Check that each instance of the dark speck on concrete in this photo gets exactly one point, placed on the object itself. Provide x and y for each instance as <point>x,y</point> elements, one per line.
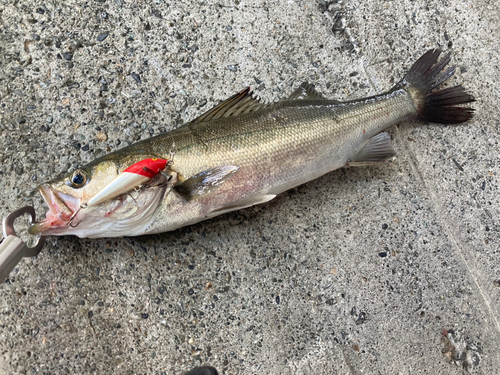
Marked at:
<point>458,165</point>
<point>278,299</point>
<point>156,13</point>
<point>361,318</point>
<point>78,281</point>
<point>385,226</point>
<point>102,36</point>
<point>34,143</point>
<point>67,56</point>
<point>85,148</point>
<point>191,267</point>
<point>144,316</point>
<point>382,254</point>
<point>40,11</point>
<point>136,77</point>
<point>190,292</point>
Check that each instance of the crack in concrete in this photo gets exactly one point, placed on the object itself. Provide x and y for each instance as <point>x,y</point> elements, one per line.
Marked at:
<point>449,232</point>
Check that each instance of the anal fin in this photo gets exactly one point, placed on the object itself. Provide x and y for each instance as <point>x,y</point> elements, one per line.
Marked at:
<point>244,203</point>
<point>378,149</point>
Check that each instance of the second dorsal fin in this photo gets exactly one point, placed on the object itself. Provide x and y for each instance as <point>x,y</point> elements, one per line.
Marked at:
<point>238,104</point>
<point>305,91</point>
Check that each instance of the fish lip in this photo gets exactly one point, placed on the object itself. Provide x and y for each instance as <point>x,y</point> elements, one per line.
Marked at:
<point>62,209</point>
<point>54,201</point>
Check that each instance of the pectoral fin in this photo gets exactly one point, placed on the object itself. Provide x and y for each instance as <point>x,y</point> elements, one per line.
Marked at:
<point>377,150</point>
<point>206,181</point>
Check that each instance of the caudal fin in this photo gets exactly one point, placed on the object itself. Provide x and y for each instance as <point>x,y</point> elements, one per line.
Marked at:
<point>440,106</point>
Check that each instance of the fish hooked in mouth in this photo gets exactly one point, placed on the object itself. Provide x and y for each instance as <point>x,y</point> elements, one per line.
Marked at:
<point>243,152</point>
<point>126,214</point>
<point>62,209</point>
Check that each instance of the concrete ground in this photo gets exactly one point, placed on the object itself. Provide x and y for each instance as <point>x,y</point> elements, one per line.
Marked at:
<point>361,271</point>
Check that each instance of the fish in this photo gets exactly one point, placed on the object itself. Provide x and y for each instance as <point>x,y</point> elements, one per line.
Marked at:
<point>243,152</point>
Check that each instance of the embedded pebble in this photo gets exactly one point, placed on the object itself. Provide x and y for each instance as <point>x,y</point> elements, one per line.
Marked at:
<point>101,136</point>
<point>102,36</point>
<point>136,77</point>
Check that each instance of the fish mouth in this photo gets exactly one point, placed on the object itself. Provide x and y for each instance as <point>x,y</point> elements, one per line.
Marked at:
<point>62,209</point>
<point>126,215</point>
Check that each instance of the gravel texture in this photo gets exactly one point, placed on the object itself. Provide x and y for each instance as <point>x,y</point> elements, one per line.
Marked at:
<point>380,270</point>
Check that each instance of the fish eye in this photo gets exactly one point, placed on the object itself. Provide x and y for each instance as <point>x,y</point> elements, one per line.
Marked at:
<point>78,179</point>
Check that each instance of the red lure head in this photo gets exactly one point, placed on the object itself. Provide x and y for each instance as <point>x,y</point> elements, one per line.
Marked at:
<point>148,167</point>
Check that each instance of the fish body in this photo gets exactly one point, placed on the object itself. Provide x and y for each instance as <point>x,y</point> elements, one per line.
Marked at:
<point>243,152</point>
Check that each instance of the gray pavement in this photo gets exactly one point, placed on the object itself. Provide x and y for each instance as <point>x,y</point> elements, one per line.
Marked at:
<point>358,272</point>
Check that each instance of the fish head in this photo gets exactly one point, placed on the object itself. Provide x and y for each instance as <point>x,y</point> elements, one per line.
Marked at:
<point>125,215</point>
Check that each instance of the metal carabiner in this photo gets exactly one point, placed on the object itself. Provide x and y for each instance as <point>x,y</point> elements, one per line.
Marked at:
<point>12,248</point>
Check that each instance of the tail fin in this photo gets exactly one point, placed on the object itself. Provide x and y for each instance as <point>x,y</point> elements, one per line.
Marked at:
<point>440,106</point>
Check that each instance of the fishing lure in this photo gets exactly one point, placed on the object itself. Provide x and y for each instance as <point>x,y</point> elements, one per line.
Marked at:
<point>135,175</point>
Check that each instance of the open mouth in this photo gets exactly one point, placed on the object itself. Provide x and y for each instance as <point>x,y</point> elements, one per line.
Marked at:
<point>62,208</point>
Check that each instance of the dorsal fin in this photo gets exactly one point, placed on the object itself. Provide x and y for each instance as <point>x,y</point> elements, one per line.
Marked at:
<point>238,104</point>
<point>305,91</point>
